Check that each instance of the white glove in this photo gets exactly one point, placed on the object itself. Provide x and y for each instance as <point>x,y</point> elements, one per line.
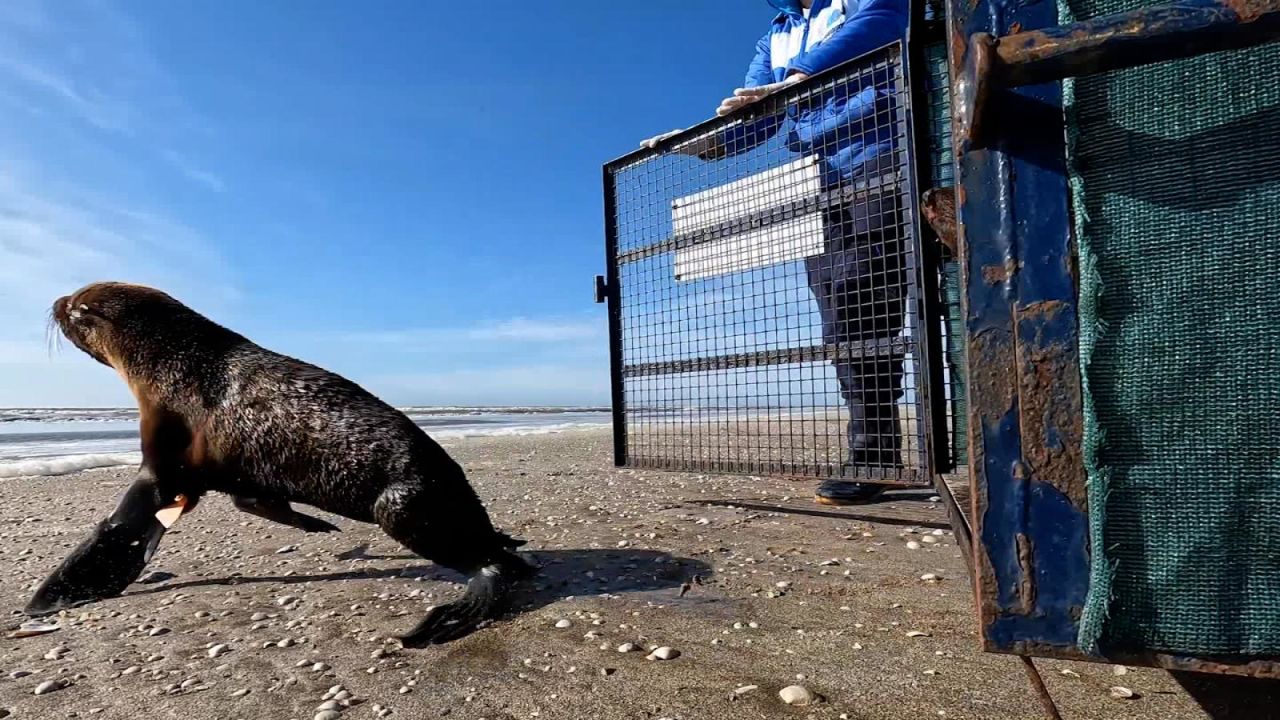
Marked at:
<point>652,142</point>
<point>745,96</point>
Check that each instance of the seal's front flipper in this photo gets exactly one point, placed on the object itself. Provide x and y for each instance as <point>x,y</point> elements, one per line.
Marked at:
<point>112,557</point>
<point>282,512</point>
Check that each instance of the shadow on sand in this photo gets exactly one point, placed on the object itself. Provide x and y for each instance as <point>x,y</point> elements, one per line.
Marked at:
<point>561,574</point>
<point>864,512</point>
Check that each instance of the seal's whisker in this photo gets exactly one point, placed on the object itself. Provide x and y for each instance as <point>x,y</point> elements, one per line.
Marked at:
<point>52,336</point>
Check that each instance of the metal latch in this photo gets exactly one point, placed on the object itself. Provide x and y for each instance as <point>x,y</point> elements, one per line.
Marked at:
<point>602,289</point>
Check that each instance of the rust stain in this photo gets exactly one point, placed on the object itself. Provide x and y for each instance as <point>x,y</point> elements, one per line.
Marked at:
<point>1051,421</point>
<point>938,206</point>
<point>992,396</point>
<point>1250,10</point>
<point>991,359</point>
<point>1045,309</point>
<point>1000,274</point>
<point>1027,583</point>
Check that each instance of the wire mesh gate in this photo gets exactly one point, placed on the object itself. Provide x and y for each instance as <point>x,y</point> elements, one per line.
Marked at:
<point>767,288</point>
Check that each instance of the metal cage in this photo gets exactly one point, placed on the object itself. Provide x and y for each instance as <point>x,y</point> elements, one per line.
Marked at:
<point>768,288</point>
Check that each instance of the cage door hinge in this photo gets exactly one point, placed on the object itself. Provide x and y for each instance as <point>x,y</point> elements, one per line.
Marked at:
<point>602,289</point>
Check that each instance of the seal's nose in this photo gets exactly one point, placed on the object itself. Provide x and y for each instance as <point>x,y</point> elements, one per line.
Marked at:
<point>60,308</point>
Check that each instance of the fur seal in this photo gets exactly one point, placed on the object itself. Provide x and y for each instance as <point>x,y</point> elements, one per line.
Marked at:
<point>219,413</point>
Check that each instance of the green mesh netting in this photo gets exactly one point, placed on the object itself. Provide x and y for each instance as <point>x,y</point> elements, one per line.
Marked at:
<point>942,175</point>
<point>1176,191</point>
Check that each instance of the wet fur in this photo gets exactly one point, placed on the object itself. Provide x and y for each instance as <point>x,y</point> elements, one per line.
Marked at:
<point>219,413</point>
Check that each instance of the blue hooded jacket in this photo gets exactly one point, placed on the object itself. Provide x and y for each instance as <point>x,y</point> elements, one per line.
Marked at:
<point>840,125</point>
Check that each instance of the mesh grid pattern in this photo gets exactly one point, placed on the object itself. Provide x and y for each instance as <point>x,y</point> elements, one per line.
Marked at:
<point>1176,189</point>
<point>766,275</point>
<point>942,171</point>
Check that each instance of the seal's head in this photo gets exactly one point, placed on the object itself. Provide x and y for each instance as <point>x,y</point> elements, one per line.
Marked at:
<point>107,319</point>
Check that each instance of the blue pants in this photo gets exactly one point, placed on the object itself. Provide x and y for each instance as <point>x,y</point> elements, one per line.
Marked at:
<point>859,283</point>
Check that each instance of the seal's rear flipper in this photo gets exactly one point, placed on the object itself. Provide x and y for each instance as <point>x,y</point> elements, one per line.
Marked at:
<point>486,596</point>
<point>112,557</point>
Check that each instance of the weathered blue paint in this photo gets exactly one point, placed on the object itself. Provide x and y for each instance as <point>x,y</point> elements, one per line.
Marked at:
<point>1020,286</point>
<point>1021,327</point>
<point>1059,546</point>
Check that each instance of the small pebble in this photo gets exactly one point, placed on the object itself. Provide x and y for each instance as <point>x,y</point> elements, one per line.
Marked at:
<point>319,667</point>
<point>563,624</point>
<point>913,545</point>
<point>1119,670</point>
<point>202,614</point>
<point>405,690</point>
<point>286,549</point>
<point>240,693</point>
<point>664,653</point>
<point>627,647</point>
<point>1123,693</point>
<point>218,650</point>
<point>739,692</point>
<point>258,617</point>
<point>797,695</point>
<point>285,600</point>
<point>916,634</point>
<point>156,632</point>
<point>329,705</point>
<point>49,686</point>
<point>328,715</point>
<point>929,540</point>
<point>930,577</point>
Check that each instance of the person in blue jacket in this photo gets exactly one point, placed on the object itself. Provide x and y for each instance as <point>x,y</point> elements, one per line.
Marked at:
<point>858,282</point>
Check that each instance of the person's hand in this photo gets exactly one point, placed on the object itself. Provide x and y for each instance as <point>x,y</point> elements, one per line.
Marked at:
<point>698,147</point>
<point>653,142</point>
<point>745,96</point>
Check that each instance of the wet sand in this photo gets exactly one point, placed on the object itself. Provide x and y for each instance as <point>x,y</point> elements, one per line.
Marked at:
<point>750,581</point>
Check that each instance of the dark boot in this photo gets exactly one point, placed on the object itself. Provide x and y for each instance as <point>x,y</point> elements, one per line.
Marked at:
<point>846,492</point>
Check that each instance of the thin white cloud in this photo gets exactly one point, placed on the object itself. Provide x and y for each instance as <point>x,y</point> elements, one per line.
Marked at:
<point>193,173</point>
<point>92,65</point>
<point>88,104</point>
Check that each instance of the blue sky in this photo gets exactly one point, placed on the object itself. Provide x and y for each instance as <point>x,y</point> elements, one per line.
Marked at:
<point>405,192</point>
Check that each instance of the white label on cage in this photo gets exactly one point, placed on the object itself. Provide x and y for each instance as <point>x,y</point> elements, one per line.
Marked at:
<point>794,181</point>
<point>781,242</point>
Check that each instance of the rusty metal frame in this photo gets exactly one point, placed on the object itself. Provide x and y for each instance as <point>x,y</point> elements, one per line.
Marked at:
<point>1030,513</point>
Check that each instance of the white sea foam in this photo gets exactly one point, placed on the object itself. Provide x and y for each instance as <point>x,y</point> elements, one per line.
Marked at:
<point>514,430</point>
<point>54,458</point>
<point>65,464</point>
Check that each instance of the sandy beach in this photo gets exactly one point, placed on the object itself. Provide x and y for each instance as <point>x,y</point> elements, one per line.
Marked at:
<point>746,578</point>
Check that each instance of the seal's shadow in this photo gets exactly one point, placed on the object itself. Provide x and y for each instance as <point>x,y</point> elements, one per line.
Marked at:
<point>561,574</point>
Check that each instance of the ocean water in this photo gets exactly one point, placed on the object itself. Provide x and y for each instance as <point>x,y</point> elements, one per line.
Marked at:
<point>57,441</point>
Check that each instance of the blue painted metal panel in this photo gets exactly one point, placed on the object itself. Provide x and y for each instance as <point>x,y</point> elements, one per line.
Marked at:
<point>1014,230</point>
